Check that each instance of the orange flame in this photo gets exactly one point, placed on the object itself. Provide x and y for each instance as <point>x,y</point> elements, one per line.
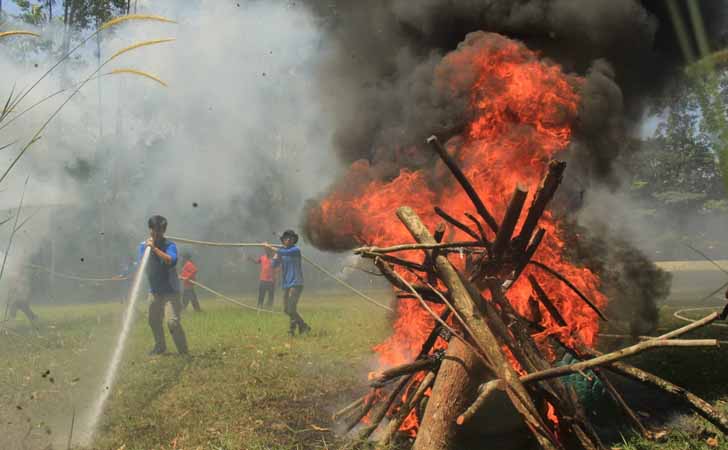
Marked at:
<point>522,110</point>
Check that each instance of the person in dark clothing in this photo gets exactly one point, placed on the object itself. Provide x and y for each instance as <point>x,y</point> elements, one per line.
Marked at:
<point>189,273</point>
<point>266,284</point>
<point>288,259</point>
<point>724,314</point>
<point>164,287</point>
<point>19,296</point>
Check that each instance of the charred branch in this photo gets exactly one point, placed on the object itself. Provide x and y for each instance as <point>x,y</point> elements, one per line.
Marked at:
<point>391,276</point>
<point>456,223</point>
<point>543,196</point>
<point>526,257</point>
<point>546,302</point>
<point>470,312</point>
<point>609,358</point>
<point>397,261</point>
<point>382,407</point>
<point>503,238</point>
<point>571,286</point>
<point>409,247</point>
<point>464,183</point>
<point>619,401</point>
<point>345,411</point>
<point>396,422</point>
<point>478,225</point>
<point>419,365</point>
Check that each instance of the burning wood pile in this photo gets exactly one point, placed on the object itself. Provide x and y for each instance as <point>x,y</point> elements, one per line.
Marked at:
<point>483,341</point>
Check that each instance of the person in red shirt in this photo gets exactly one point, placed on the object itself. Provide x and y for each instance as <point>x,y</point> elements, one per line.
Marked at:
<point>189,272</point>
<point>267,278</point>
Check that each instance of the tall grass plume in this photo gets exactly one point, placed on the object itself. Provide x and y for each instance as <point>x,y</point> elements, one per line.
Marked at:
<point>129,17</point>
<point>138,72</point>
<point>137,45</point>
<point>17,33</point>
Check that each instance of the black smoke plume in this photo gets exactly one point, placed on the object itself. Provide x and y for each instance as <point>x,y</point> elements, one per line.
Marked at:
<point>378,85</point>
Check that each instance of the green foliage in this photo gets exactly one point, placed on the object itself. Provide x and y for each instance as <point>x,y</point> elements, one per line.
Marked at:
<point>91,13</point>
<point>77,13</point>
<point>34,13</point>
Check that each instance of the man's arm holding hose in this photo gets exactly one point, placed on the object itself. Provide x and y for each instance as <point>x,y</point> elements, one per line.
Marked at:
<point>168,258</point>
<point>276,260</point>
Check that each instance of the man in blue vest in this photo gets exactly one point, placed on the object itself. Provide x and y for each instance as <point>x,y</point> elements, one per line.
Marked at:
<point>288,259</point>
<point>164,287</point>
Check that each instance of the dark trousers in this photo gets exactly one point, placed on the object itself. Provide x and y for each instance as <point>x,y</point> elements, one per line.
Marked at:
<point>291,296</point>
<point>169,303</point>
<point>24,307</point>
<point>266,287</point>
<point>724,314</point>
<point>190,296</point>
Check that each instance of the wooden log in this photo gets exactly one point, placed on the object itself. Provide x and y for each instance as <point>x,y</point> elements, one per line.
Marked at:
<point>454,387</point>
<point>710,318</point>
<point>434,334</point>
<point>398,261</point>
<point>485,391</point>
<point>472,315</point>
<point>404,369</point>
<point>481,230</point>
<point>545,193</point>
<point>367,406</point>
<point>619,400</point>
<point>464,183</point>
<point>396,422</point>
<point>571,286</point>
<point>525,258</point>
<point>409,247</point>
<point>536,316</point>
<point>616,356</point>
<point>573,422</point>
<point>697,404</point>
<point>609,358</point>
<point>456,223</point>
<point>439,232</point>
<point>546,302</point>
<point>348,408</point>
<point>503,238</point>
<point>382,407</point>
<point>429,257</point>
<point>481,353</point>
<point>391,276</point>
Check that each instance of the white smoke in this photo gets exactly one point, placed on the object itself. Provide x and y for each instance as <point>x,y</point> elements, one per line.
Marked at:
<point>239,127</point>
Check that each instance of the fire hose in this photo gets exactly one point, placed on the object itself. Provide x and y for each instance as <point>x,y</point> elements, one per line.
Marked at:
<point>229,299</point>
<point>308,260</point>
<point>74,277</point>
<point>679,315</point>
<point>196,283</point>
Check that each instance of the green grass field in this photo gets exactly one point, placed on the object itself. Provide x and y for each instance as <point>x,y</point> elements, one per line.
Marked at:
<point>246,385</point>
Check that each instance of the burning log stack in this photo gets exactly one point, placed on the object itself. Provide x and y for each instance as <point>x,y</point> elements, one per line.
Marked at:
<point>482,343</point>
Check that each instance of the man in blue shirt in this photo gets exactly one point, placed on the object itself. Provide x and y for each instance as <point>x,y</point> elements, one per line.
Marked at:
<point>288,259</point>
<point>164,287</point>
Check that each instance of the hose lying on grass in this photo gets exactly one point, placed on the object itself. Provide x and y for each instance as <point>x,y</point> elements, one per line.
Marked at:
<point>308,260</point>
<point>229,299</point>
<point>679,315</point>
